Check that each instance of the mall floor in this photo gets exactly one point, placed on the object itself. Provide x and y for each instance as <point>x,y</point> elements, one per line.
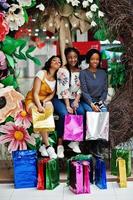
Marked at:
<point>62,192</point>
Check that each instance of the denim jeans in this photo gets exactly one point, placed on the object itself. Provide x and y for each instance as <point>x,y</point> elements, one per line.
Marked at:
<point>60,109</point>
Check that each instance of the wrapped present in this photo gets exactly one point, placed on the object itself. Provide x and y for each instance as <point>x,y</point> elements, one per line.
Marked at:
<point>76,177</point>
<point>100,174</point>
<point>25,168</point>
<point>120,153</point>
<point>122,178</point>
<point>80,157</point>
<point>43,121</point>
<point>52,174</point>
<point>41,180</point>
<point>73,127</point>
<point>86,178</point>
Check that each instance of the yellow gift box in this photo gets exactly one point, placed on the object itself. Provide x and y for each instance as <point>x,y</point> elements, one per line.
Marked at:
<point>122,178</point>
<point>43,121</point>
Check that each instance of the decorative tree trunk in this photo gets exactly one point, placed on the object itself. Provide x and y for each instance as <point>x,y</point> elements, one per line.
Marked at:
<point>119,16</point>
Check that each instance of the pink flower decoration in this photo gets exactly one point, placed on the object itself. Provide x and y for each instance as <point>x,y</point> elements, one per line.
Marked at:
<point>3,64</point>
<point>23,119</point>
<point>17,136</point>
<point>4,28</point>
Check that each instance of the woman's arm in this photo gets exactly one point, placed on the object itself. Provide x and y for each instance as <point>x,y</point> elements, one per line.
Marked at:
<point>36,90</point>
<point>49,97</point>
<point>84,89</point>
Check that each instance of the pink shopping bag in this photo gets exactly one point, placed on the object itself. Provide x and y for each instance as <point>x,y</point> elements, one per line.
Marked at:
<point>86,177</point>
<point>73,127</point>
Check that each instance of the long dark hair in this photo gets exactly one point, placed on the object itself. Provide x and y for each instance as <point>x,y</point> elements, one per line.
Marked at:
<point>90,53</point>
<point>48,64</point>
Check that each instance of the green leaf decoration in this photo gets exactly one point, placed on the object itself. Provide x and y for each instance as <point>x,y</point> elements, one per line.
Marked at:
<point>25,15</point>
<point>10,81</point>
<point>34,59</point>
<point>120,49</point>
<point>10,60</point>
<point>101,34</point>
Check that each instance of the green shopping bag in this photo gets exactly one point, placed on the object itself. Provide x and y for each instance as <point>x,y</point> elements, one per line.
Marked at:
<point>52,174</point>
<point>120,153</point>
<point>80,157</point>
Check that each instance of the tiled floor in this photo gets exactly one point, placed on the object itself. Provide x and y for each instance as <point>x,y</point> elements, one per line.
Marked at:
<point>62,192</point>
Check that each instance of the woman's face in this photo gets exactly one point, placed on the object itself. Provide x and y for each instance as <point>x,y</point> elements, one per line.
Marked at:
<point>72,59</point>
<point>94,61</point>
<point>55,63</point>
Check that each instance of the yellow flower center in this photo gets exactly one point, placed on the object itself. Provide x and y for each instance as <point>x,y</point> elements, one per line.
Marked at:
<point>18,135</point>
<point>23,113</point>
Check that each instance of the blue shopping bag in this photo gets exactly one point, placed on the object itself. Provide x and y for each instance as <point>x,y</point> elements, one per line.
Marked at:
<point>100,174</point>
<point>25,168</point>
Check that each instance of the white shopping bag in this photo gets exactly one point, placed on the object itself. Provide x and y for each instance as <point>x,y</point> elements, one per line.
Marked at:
<point>97,125</point>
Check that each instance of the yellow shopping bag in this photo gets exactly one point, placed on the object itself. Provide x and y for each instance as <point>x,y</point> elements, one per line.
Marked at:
<point>43,121</point>
<point>122,178</point>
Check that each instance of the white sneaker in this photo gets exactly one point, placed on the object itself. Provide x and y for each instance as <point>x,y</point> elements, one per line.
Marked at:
<point>43,151</point>
<point>75,147</point>
<point>60,151</point>
<point>51,153</point>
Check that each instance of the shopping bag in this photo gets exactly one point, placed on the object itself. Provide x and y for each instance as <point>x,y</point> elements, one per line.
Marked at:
<point>43,121</point>
<point>100,174</point>
<point>122,177</point>
<point>97,125</point>
<point>52,174</point>
<point>80,157</point>
<point>41,180</point>
<point>120,153</point>
<point>73,127</point>
<point>25,168</point>
<point>76,177</point>
<point>86,178</point>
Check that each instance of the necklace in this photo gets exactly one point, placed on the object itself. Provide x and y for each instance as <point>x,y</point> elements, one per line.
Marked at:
<point>94,75</point>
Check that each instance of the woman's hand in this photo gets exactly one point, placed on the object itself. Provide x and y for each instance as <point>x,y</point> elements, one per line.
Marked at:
<point>75,105</point>
<point>41,109</point>
<point>95,107</point>
<point>69,109</point>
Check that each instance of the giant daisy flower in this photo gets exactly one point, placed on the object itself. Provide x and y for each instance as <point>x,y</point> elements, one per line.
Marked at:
<point>23,119</point>
<point>17,136</point>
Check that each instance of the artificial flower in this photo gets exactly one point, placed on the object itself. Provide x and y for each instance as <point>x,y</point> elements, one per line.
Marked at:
<point>3,64</point>
<point>15,17</point>
<point>23,119</point>
<point>41,7</point>
<point>93,7</point>
<point>16,135</point>
<point>93,23</point>
<point>90,1</point>
<point>89,14</point>
<point>4,28</point>
<point>24,2</point>
<point>68,1</point>
<point>100,14</point>
<point>75,2</point>
<point>9,102</point>
<point>85,4</point>
<point>4,4</point>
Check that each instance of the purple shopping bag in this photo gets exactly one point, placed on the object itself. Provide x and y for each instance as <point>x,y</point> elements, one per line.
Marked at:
<point>73,127</point>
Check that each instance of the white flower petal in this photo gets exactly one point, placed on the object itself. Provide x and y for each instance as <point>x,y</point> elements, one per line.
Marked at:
<point>93,7</point>
<point>100,14</point>
<point>89,14</point>
<point>93,24</point>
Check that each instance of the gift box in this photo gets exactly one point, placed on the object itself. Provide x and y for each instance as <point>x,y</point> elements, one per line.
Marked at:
<point>120,153</point>
<point>100,174</point>
<point>80,157</point>
<point>25,168</point>
<point>52,174</point>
